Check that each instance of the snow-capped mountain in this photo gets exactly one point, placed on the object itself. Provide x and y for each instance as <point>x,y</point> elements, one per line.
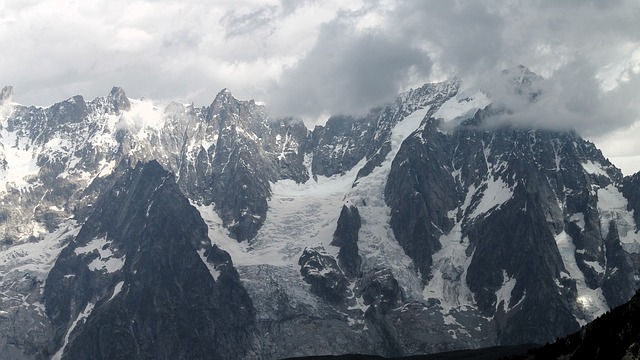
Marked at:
<point>181,232</point>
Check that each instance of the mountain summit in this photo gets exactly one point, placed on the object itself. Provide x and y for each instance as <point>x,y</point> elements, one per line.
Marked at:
<point>6,95</point>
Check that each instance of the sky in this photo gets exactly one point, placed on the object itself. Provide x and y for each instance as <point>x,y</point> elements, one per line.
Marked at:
<point>312,58</point>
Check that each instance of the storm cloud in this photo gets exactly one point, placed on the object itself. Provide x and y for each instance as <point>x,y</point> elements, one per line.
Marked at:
<point>347,72</point>
<point>587,51</point>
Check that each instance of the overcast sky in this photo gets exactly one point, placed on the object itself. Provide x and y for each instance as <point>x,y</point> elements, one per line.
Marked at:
<point>310,58</point>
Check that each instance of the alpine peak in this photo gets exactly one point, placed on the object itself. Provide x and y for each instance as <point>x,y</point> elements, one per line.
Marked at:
<point>6,95</point>
<point>119,100</point>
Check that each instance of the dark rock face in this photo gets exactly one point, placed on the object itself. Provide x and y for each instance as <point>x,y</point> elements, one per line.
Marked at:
<point>381,291</point>
<point>618,279</point>
<point>142,280</point>
<point>323,274</point>
<point>240,176</point>
<point>631,191</point>
<point>289,149</point>
<point>72,110</point>
<point>420,192</point>
<point>346,237</point>
<point>338,146</point>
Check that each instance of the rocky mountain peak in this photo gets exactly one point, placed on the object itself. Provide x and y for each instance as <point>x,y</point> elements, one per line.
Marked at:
<point>523,82</point>
<point>6,95</point>
<point>224,97</point>
<point>118,99</point>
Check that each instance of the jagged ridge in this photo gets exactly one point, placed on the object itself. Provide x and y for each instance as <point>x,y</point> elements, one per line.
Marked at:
<point>449,213</point>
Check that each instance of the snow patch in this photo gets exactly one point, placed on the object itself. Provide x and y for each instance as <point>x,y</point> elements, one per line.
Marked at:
<point>359,301</point>
<point>116,290</point>
<point>578,219</point>
<point>594,168</point>
<point>503,295</point>
<point>215,273</point>
<point>106,168</point>
<point>595,266</point>
<point>106,259</point>
<point>81,317</point>
<point>495,195</point>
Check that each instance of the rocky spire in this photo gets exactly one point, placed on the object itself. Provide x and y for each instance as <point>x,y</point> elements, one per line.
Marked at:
<point>119,99</point>
<point>6,96</point>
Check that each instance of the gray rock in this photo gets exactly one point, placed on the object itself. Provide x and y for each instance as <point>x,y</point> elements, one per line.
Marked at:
<point>346,237</point>
<point>6,95</point>
<point>322,272</point>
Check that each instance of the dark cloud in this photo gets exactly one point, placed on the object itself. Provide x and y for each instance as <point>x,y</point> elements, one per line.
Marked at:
<point>571,99</point>
<point>181,40</point>
<point>575,45</point>
<point>290,6</point>
<point>237,23</point>
<point>569,43</point>
<point>465,36</point>
<point>347,72</point>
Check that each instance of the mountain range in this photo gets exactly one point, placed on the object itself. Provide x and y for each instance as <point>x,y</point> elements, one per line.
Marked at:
<point>133,231</point>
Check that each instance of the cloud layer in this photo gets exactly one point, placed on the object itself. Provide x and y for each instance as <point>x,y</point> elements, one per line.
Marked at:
<point>308,57</point>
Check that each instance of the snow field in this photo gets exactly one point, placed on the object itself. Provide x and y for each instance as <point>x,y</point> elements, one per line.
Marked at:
<point>376,241</point>
<point>299,216</point>
<point>449,272</point>
<point>463,105</point>
<point>612,206</point>
<point>20,162</point>
<point>36,258</point>
<point>306,215</point>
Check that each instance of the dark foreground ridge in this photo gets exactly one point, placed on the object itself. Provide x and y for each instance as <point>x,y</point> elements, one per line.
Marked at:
<point>490,353</point>
<point>615,335</point>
